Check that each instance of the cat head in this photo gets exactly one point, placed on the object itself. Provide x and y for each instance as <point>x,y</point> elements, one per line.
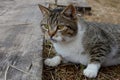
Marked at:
<point>60,25</point>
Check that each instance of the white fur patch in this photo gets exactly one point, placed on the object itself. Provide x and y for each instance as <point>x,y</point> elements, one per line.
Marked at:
<point>58,38</point>
<point>53,61</point>
<point>92,70</point>
<point>72,51</point>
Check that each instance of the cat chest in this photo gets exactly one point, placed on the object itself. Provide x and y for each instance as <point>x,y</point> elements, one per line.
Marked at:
<point>72,54</point>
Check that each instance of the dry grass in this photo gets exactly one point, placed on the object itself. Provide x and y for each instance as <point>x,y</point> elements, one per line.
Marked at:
<point>72,71</point>
<point>103,11</point>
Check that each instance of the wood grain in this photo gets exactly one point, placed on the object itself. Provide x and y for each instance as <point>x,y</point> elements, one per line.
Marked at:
<point>20,40</point>
<point>81,5</point>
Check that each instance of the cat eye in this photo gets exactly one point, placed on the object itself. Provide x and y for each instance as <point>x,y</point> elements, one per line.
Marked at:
<point>61,27</point>
<point>45,26</point>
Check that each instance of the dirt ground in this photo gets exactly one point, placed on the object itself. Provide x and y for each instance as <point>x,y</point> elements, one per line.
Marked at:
<point>107,11</point>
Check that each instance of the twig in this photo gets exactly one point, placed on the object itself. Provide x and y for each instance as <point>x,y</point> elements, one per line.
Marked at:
<point>52,76</point>
<point>6,72</point>
<point>19,70</point>
<point>2,13</point>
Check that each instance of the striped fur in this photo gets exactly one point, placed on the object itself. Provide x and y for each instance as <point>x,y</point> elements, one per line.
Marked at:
<point>56,18</point>
<point>80,42</point>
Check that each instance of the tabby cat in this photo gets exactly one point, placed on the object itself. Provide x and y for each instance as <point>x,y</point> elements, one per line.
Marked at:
<point>76,41</point>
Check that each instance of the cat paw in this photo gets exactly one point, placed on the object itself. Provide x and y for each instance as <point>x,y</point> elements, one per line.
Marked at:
<point>55,61</point>
<point>90,73</point>
<point>92,70</point>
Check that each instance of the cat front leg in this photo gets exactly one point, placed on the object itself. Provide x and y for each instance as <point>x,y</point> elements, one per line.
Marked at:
<point>55,61</point>
<point>97,56</point>
<point>92,70</point>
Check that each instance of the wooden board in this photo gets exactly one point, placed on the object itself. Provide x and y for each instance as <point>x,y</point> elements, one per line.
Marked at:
<point>20,40</point>
<point>81,5</point>
<point>78,3</point>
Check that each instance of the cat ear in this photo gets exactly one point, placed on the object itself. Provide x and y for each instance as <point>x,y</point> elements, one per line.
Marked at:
<point>70,12</point>
<point>44,10</point>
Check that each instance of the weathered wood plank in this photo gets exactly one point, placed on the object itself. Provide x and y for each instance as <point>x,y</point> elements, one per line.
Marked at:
<point>81,5</point>
<point>20,40</point>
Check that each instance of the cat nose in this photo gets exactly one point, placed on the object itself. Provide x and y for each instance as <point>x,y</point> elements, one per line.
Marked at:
<point>51,34</point>
<point>51,37</point>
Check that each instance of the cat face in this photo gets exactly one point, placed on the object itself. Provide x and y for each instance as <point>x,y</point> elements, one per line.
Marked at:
<point>59,25</point>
